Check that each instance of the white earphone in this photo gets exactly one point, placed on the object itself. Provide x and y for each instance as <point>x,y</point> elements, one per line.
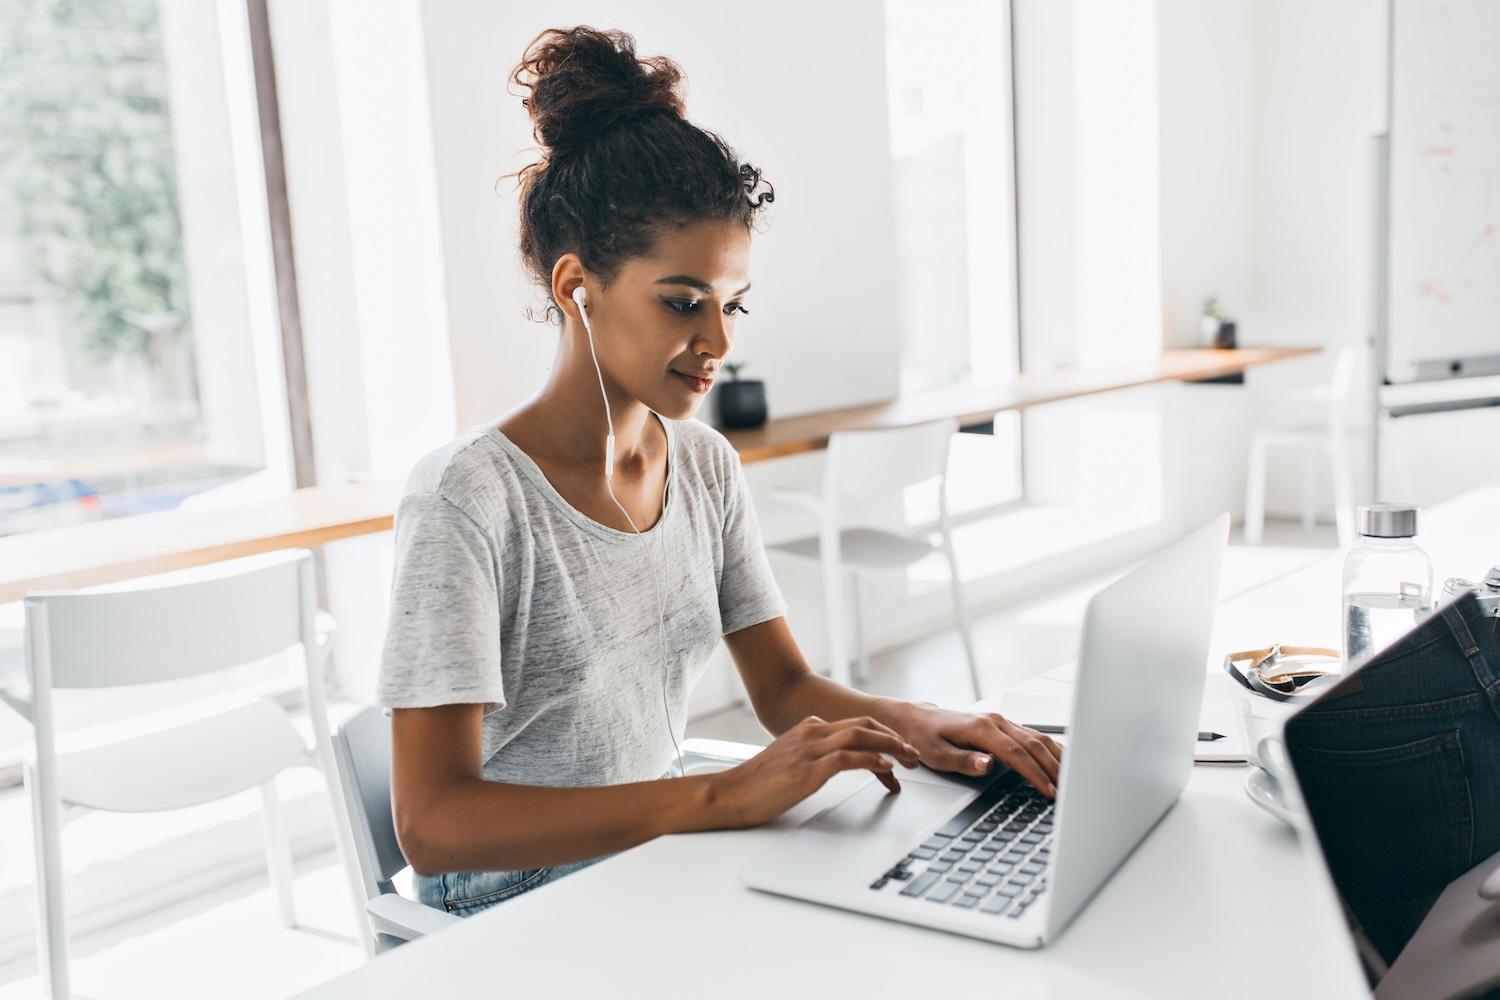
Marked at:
<point>579,298</point>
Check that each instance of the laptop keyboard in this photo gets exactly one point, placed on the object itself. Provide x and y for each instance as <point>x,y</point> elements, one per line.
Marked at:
<point>993,856</point>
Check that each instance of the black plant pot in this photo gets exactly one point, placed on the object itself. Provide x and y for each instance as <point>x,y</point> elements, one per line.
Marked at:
<point>741,404</point>
<point>1226,339</point>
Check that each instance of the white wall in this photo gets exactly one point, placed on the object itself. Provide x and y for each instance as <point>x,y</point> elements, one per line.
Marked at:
<point>1321,77</point>
<point>1320,94</point>
<point>1266,109</point>
<point>357,132</point>
<point>823,268</point>
<point>370,266</point>
<point>1088,221</point>
<point>1205,61</point>
<point>1266,112</point>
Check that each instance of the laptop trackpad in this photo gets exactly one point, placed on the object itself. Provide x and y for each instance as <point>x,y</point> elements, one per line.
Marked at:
<point>916,809</point>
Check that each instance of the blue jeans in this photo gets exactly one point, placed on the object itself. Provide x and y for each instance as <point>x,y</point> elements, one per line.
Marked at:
<point>468,893</point>
<point>1400,767</point>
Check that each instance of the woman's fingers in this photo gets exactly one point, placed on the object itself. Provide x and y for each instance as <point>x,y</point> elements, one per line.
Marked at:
<point>1024,764</point>
<point>850,745</point>
<point>961,760</point>
<point>855,734</point>
<point>1014,745</point>
<point>858,760</point>
<point>1037,746</point>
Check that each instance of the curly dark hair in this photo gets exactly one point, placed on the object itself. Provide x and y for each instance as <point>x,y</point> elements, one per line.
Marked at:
<point>619,162</point>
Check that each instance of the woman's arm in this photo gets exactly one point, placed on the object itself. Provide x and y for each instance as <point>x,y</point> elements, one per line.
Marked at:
<point>784,689</point>
<point>450,818</point>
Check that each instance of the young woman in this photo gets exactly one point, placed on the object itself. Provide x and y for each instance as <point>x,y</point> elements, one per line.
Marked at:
<point>547,620</point>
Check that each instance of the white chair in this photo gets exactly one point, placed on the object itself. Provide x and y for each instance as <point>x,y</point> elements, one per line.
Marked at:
<point>1328,439</point>
<point>146,634</point>
<point>862,465</point>
<point>362,751</point>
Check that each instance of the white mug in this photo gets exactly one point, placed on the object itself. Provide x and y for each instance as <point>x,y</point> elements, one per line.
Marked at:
<point>1270,754</point>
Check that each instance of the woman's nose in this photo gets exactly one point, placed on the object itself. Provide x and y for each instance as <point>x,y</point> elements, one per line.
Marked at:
<point>715,338</point>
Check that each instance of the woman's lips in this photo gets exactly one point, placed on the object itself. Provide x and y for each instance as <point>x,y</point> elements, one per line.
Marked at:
<point>699,385</point>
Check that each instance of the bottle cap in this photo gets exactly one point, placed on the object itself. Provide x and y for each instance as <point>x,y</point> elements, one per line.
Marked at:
<point>1388,520</point>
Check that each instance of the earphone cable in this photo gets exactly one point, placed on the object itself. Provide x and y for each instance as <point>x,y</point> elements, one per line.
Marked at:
<point>609,449</point>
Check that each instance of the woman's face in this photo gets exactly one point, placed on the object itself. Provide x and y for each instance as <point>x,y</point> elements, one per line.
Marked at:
<point>665,324</point>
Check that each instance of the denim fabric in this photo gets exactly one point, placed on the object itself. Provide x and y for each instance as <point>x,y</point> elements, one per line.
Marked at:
<point>468,893</point>
<point>1400,767</point>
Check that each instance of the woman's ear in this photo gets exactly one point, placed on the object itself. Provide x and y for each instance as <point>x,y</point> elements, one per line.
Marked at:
<point>567,276</point>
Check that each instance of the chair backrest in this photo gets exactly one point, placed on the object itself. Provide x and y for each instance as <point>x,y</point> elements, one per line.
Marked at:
<point>1348,369</point>
<point>150,633</point>
<point>864,464</point>
<point>362,750</point>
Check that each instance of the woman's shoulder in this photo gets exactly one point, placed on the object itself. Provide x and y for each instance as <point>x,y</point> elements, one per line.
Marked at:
<point>472,472</point>
<point>707,449</point>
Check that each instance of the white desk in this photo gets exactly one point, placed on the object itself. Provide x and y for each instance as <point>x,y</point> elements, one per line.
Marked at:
<point>1179,919</point>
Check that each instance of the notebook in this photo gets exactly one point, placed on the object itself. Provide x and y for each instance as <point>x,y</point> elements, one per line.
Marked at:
<point>1220,714</point>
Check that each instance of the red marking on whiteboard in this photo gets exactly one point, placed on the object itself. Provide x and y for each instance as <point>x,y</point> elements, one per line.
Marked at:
<point>1431,288</point>
<point>1437,150</point>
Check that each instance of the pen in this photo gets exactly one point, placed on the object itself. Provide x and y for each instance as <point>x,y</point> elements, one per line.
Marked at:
<point>1203,737</point>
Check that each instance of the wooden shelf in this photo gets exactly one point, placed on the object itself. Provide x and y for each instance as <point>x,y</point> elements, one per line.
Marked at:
<point>976,403</point>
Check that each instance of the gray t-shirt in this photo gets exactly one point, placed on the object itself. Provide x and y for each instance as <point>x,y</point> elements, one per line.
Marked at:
<point>506,595</point>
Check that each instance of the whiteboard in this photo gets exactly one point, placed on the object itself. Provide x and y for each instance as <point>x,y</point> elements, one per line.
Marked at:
<point>1443,282</point>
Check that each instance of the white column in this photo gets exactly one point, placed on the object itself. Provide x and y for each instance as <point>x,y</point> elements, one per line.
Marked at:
<point>226,241</point>
<point>362,181</point>
<point>1088,218</point>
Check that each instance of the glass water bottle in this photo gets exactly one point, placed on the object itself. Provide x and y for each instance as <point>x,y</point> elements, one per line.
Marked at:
<point>1387,582</point>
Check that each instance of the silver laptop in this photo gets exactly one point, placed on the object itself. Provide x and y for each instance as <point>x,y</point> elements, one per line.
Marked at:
<point>996,860</point>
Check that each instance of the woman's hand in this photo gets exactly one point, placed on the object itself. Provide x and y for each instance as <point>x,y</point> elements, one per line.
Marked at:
<point>799,762</point>
<point>969,744</point>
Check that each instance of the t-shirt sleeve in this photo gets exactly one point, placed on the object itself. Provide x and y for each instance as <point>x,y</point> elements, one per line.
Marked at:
<point>748,594</point>
<point>442,643</point>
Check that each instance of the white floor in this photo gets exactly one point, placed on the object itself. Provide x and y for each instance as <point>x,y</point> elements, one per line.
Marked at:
<point>228,943</point>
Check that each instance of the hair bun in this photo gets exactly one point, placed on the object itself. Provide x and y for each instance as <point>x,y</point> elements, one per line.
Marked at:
<point>581,81</point>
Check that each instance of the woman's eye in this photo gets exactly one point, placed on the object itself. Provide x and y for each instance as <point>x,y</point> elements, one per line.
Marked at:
<point>735,307</point>
<point>683,306</point>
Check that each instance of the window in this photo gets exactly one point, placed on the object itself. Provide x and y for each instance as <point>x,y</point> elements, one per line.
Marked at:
<point>948,84</point>
<point>948,77</point>
<point>138,355</point>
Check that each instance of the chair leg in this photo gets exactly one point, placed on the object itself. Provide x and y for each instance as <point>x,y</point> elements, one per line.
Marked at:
<point>322,758</point>
<point>861,644</point>
<point>1309,489</point>
<point>961,613</point>
<point>51,919</point>
<point>833,611</point>
<point>1255,494</point>
<point>278,852</point>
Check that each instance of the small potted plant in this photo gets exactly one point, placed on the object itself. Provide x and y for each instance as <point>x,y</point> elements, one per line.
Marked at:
<point>1218,329</point>
<point>741,402</point>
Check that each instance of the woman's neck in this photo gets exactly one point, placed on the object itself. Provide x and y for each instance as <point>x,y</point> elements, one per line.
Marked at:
<point>566,415</point>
